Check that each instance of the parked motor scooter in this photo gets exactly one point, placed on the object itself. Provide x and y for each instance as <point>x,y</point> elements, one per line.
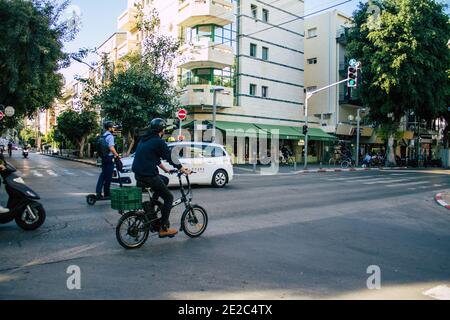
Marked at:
<point>23,207</point>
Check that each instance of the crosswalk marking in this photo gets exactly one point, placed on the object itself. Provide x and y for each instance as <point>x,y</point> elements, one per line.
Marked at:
<point>52,173</point>
<point>386,181</point>
<point>37,174</point>
<point>407,184</point>
<point>70,173</point>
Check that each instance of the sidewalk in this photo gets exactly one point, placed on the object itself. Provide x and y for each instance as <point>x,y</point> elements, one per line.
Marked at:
<point>443,199</point>
<point>313,168</point>
<point>89,161</point>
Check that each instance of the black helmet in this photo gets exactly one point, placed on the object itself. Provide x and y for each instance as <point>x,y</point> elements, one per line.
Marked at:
<point>157,125</point>
<point>108,125</point>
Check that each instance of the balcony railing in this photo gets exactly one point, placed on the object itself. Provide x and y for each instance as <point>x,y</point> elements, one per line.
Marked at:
<point>202,96</point>
<point>193,12</point>
<point>205,53</point>
<point>127,20</point>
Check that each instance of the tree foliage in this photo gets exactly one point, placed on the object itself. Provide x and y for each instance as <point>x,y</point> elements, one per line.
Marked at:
<point>403,49</point>
<point>142,88</point>
<point>76,127</point>
<point>31,37</point>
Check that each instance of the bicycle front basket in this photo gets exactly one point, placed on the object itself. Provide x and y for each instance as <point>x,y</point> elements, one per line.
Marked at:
<point>126,198</point>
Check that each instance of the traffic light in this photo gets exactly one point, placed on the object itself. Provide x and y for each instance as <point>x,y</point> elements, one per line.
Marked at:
<point>305,130</point>
<point>352,81</point>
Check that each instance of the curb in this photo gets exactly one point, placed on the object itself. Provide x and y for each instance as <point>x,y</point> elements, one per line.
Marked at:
<point>69,159</point>
<point>441,202</point>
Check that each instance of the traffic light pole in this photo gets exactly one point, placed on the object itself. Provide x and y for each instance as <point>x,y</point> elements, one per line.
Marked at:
<point>308,96</point>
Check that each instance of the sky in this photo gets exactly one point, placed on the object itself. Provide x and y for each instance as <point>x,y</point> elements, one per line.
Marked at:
<point>99,22</point>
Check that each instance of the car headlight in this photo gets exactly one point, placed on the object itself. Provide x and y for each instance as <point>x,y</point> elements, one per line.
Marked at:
<point>126,170</point>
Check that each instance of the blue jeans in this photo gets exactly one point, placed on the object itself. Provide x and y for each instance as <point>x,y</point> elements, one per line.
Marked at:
<point>105,178</point>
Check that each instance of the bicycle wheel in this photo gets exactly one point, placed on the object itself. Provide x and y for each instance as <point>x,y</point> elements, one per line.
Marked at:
<point>131,232</point>
<point>345,164</point>
<point>194,221</point>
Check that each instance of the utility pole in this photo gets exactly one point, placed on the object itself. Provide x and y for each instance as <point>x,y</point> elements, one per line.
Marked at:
<point>358,128</point>
<point>215,90</point>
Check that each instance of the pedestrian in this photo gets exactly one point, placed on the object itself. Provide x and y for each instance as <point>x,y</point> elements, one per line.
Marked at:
<point>107,155</point>
<point>10,145</point>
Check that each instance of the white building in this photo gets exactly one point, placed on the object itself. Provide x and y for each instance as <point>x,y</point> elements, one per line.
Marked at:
<point>252,49</point>
<point>325,63</point>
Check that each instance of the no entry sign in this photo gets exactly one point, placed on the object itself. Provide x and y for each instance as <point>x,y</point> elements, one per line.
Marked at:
<point>182,114</point>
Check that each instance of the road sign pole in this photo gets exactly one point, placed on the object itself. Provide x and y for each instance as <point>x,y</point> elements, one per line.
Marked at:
<point>181,126</point>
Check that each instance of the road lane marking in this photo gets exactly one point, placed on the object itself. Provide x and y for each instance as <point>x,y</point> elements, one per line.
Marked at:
<point>407,184</point>
<point>438,293</point>
<point>87,173</point>
<point>386,181</point>
<point>52,173</point>
<point>70,173</point>
<point>37,174</point>
<point>351,178</point>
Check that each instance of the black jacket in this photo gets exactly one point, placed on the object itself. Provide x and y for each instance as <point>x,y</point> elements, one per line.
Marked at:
<point>150,150</point>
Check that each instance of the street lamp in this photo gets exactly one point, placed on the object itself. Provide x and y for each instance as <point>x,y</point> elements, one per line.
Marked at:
<point>81,61</point>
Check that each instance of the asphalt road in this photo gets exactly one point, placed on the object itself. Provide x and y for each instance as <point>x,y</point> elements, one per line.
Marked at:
<point>303,236</point>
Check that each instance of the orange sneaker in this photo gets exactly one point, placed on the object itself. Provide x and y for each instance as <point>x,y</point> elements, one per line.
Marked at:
<point>166,232</point>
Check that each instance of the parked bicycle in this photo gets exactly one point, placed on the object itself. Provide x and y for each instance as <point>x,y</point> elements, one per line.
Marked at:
<point>133,228</point>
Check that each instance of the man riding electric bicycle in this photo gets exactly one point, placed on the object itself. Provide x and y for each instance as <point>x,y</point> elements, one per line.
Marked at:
<point>150,150</point>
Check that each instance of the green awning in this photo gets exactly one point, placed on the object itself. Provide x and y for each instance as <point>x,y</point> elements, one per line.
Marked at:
<point>317,134</point>
<point>285,132</point>
<point>238,129</point>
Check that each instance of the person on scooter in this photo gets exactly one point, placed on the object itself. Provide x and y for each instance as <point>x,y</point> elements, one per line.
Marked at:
<point>150,150</point>
<point>105,178</point>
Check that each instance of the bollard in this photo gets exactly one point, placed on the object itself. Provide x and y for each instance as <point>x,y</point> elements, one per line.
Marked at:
<point>254,167</point>
<point>320,166</point>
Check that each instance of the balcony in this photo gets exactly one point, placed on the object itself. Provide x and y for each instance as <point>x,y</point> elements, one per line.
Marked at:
<point>202,96</point>
<point>341,36</point>
<point>194,12</point>
<point>126,47</point>
<point>206,54</point>
<point>127,20</point>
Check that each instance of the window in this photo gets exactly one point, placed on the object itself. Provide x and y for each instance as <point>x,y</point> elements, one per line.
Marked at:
<point>312,61</point>
<point>254,11</point>
<point>312,32</point>
<point>265,15</point>
<point>252,50</point>
<point>204,32</point>
<point>212,152</point>
<point>265,92</point>
<point>253,89</point>
<point>265,53</point>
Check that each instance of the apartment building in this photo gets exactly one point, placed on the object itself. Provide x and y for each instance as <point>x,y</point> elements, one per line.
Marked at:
<point>246,55</point>
<point>326,62</point>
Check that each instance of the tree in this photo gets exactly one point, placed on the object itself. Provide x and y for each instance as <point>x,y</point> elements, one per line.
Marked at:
<point>31,37</point>
<point>142,88</point>
<point>76,127</point>
<point>402,47</point>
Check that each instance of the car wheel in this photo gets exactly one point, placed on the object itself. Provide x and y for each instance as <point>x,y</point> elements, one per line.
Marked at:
<point>220,179</point>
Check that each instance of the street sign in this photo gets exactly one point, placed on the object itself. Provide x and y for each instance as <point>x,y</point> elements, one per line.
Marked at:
<point>182,114</point>
<point>2,115</point>
<point>9,111</point>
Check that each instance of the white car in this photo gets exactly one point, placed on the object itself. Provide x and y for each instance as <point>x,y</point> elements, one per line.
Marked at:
<point>210,162</point>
